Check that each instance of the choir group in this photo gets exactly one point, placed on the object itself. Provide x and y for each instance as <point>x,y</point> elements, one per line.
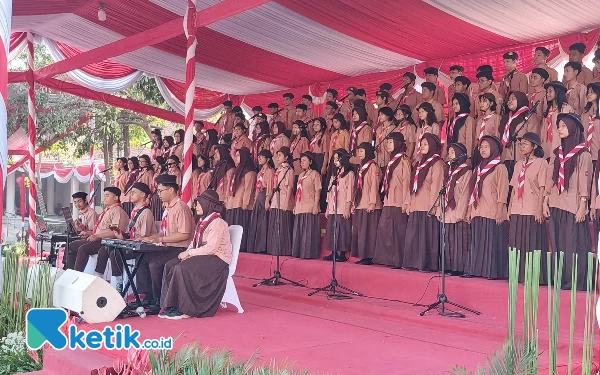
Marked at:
<point>517,160</point>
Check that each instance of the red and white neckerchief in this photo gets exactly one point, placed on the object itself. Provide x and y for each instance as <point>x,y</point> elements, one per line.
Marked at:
<point>380,138</point>
<point>223,122</point>
<point>174,148</point>
<point>199,183</point>
<point>231,182</point>
<point>531,97</point>
<point>335,188</point>
<point>406,94</point>
<point>506,134</point>
<point>258,142</point>
<point>549,129</point>
<point>133,214</point>
<point>456,118</point>
<point>299,186</point>
<point>451,180</point>
<point>163,222</point>
<point>521,178</point>
<point>295,143</point>
<point>484,121</point>
<point>273,142</point>
<point>386,176</point>
<point>334,138</point>
<point>166,152</point>
<point>104,211</point>
<point>260,178</point>
<point>590,131</point>
<point>355,132</point>
<point>282,168</point>
<point>361,173</point>
<point>508,79</point>
<point>202,225</point>
<point>562,160</point>
<point>155,150</point>
<point>424,129</point>
<point>480,173</point>
<point>419,168</point>
<point>82,218</point>
<point>314,141</point>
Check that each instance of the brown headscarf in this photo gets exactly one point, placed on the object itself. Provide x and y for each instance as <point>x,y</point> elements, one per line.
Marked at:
<point>369,155</point>
<point>435,147</point>
<point>212,138</point>
<point>522,101</point>
<point>575,137</point>
<point>220,170</point>
<point>495,151</point>
<point>461,156</point>
<point>246,165</point>
<point>399,146</point>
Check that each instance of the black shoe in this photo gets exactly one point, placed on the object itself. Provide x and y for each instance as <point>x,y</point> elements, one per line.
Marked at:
<point>365,262</point>
<point>167,311</point>
<point>341,258</point>
<point>328,257</point>
<point>426,271</point>
<point>467,276</point>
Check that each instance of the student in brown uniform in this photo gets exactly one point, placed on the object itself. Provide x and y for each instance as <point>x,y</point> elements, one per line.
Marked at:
<point>240,139</point>
<point>513,80</point>
<point>177,148</point>
<point>566,203</point>
<point>141,224</point>
<point>320,142</point>
<point>225,122</point>
<point>389,245</point>
<point>194,283</point>
<point>591,121</point>
<point>262,140</point>
<point>176,231</point>
<point>87,215</point>
<point>431,76</point>
<point>306,238</point>
<point>146,170</point>
<point>340,133</point>
<point>426,124</point>
<point>278,139</point>
<point>212,138</point>
<point>454,72</point>
<point>387,88</point>
<point>576,54</point>
<point>576,91</point>
<point>556,102</point>
<point>382,99</point>
<point>200,137</point>
<point>427,94</point>
<point>408,128</point>
<point>511,125</point>
<point>174,167</point>
<point>348,103</point>
<point>422,242</point>
<point>222,164</point>
<point>485,80</point>
<point>361,130</point>
<point>489,122</point>
<point>367,205</point>
<point>462,85</point>
<point>289,110</point>
<point>307,100</point>
<point>387,126</point>
<point>410,96</point>
<point>340,198</point>
<point>259,220</point>
<point>157,143</point>
<point>487,214</point>
<point>527,228</point>
<point>462,127</point>
<point>540,58</point>
<point>275,113</point>
<point>302,113</point>
<point>122,173</point>
<point>537,94</point>
<point>458,192</point>
<point>203,174</point>
<point>299,144</point>
<point>113,215</point>
<point>362,101</point>
<point>240,196</point>
<point>133,166</point>
<point>331,95</point>
<point>160,168</point>
<point>331,108</point>
<point>281,211</point>
<point>168,143</point>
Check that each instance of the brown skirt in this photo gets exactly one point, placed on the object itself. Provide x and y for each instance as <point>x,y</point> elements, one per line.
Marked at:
<point>422,242</point>
<point>283,245</point>
<point>156,207</point>
<point>238,216</point>
<point>343,235</point>
<point>571,238</point>
<point>306,240</point>
<point>364,233</point>
<point>527,235</point>
<point>195,286</point>
<point>488,249</point>
<point>389,245</point>
<point>259,224</point>
<point>457,246</point>
<point>128,207</point>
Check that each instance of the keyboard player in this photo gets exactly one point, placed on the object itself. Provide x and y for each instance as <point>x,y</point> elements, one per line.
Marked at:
<point>141,224</point>
<point>112,215</point>
<point>176,231</point>
<point>87,215</point>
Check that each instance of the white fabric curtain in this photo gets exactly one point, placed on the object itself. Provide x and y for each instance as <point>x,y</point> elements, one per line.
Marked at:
<point>89,81</point>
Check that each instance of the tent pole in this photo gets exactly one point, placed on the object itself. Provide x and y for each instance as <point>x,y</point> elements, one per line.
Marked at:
<point>5,19</point>
<point>31,129</point>
<point>190,84</point>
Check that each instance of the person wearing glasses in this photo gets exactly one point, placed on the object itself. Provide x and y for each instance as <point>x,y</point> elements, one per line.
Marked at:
<point>173,167</point>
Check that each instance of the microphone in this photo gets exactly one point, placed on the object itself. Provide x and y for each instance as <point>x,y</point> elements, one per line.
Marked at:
<point>295,159</point>
<point>147,143</point>
<point>106,170</point>
<point>253,117</point>
<point>344,98</point>
<point>531,110</point>
<point>450,162</point>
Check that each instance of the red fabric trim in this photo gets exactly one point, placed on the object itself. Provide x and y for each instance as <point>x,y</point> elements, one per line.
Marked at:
<point>106,69</point>
<point>3,73</point>
<point>420,30</point>
<point>16,39</point>
<point>589,39</point>
<point>203,99</point>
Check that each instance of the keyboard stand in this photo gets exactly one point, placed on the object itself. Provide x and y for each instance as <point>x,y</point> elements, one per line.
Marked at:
<point>139,311</point>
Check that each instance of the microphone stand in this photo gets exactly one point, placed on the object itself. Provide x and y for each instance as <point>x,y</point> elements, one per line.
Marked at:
<point>513,141</point>
<point>275,280</point>
<point>332,288</point>
<point>442,299</point>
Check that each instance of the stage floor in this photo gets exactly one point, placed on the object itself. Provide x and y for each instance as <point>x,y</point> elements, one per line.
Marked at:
<point>364,335</point>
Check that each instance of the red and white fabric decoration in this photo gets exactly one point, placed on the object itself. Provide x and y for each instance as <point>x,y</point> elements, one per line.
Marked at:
<point>31,129</point>
<point>92,136</point>
<point>5,39</point>
<point>189,24</point>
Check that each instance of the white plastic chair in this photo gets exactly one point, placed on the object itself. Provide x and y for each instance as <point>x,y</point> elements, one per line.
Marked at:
<point>231,296</point>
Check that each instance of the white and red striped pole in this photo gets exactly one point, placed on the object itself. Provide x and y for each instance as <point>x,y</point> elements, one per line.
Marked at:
<point>93,133</point>
<point>31,127</point>
<point>189,24</point>
<point>5,26</point>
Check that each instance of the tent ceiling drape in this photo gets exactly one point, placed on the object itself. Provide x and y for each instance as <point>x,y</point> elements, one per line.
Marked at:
<point>305,46</point>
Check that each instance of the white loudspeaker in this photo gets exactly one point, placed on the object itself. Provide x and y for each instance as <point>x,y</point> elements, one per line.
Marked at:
<point>89,296</point>
<point>33,278</point>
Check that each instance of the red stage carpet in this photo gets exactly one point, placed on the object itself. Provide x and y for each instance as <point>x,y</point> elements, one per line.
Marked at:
<point>359,336</point>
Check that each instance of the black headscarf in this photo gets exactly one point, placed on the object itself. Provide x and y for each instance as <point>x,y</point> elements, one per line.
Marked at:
<point>220,170</point>
<point>246,165</point>
<point>369,155</point>
<point>435,147</point>
<point>465,107</point>
<point>461,156</point>
<point>522,101</point>
<point>575,137</point>
<point>495,151</point>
